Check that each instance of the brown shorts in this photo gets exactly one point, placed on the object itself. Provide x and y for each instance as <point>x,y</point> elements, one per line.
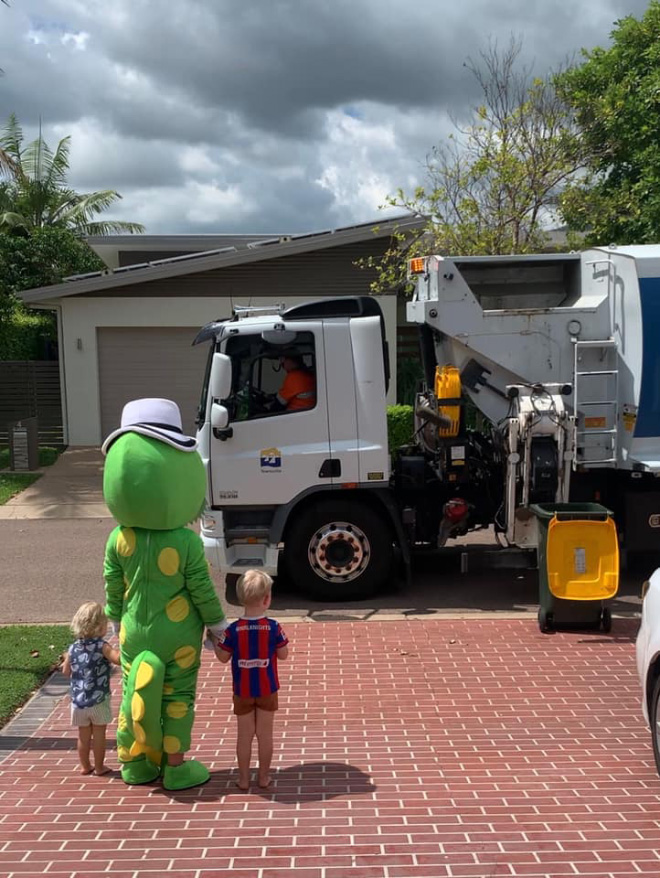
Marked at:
<point>243,706</point>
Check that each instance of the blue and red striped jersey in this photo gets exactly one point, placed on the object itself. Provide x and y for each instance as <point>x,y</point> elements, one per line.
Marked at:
<point>253,645</point>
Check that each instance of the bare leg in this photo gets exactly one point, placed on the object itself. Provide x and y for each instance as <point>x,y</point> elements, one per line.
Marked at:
<point>246,730</point>
<point>98,744</point>
<point>264,729</point>
<point>84,741</point>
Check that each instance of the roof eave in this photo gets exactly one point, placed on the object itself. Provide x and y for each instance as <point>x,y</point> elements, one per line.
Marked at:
<point>318,241</point>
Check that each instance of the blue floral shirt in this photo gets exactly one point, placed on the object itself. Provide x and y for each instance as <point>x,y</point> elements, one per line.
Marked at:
<point>90,672</point>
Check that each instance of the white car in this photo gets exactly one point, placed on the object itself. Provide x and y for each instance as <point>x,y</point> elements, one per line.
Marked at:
<point>648,659</point>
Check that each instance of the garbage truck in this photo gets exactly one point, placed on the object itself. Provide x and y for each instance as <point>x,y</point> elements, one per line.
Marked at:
<point>558,354</point>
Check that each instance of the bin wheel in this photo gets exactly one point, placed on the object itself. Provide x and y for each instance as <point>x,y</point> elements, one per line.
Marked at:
<point>545,620</point>
<point>606,620</point>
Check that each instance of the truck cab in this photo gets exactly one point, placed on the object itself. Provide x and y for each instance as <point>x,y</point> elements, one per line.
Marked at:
<point>293,434</point>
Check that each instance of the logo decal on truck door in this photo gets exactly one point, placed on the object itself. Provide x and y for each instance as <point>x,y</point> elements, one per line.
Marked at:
<point>271,460</point>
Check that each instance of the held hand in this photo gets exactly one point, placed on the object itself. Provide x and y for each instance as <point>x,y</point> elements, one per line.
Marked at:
<point>210,641</point>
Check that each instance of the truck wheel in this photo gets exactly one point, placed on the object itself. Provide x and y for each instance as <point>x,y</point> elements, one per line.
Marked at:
<point>339,550</point>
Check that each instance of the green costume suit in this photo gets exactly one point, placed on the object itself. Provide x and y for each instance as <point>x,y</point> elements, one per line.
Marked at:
<point>158,586</point>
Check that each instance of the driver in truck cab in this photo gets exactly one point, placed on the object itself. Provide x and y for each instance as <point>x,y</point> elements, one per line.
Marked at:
<point>298,392</point>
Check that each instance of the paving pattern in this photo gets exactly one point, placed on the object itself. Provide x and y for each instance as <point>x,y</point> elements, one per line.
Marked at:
<point>425,748</point>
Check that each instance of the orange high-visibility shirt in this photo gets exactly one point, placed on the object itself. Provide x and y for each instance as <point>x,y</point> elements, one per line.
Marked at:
<point>298,391</point>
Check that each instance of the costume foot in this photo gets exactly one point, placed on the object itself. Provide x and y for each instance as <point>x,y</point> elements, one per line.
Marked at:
<point>189,774</point>
<point>138,772</point>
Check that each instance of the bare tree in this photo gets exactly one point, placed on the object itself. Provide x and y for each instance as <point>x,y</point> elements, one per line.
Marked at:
<point>492,186</point>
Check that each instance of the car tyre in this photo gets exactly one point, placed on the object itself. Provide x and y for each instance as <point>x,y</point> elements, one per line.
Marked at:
<point>654,723</point>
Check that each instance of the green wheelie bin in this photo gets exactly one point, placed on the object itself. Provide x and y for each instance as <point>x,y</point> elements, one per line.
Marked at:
<point>578,561</point>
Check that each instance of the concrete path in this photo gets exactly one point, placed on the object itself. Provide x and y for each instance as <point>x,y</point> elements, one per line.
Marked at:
<point>71,488</point>
<point>409,749</point>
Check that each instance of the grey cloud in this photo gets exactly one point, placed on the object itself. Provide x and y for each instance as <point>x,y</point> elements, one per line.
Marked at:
<point>256,83</point>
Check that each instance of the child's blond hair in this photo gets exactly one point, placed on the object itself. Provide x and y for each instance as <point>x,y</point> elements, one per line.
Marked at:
<point>253,586</point>
<point>88,620</point>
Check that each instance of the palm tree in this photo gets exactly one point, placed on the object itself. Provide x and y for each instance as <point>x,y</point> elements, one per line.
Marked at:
<point>34,192</point>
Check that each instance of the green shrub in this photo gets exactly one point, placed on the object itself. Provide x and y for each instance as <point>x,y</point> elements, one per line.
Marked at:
<point>409,376</point>
<point>26,336</point>
<point>400,426</point>
<point>48,455</point>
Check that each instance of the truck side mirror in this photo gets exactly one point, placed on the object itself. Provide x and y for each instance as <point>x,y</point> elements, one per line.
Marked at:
<point>219,422</point>
<point>219,416</point>
<point>220,379</point>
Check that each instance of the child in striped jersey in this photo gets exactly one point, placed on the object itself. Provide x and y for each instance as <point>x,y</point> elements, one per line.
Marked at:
<point>254,644</point>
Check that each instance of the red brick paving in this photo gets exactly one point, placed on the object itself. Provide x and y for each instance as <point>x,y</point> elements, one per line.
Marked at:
<point>430,749</point>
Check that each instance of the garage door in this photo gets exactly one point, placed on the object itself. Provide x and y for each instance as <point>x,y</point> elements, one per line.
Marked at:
<point>140,362</point>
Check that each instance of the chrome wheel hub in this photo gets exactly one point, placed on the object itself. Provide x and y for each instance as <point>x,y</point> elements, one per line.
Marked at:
<point>339,552</point>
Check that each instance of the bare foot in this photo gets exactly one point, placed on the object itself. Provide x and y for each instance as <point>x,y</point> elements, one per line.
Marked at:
<point>99,772</point>
<point>243,784</point>
<point>86,769</point>
<point>264,781</point>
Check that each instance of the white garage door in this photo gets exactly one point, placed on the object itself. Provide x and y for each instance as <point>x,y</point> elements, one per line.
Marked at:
<point>140,362</point>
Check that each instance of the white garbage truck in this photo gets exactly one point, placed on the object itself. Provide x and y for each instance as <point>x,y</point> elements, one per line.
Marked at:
<point>558,353</point>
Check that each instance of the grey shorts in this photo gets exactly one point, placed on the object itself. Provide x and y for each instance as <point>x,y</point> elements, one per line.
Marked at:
<point>99,715</point>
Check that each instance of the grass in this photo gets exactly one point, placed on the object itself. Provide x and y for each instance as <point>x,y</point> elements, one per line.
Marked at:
<point>47,456</point>
<point>13,483</point>
<point>28,653</point>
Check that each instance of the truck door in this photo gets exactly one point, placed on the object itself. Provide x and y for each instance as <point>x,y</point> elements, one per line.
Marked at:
<point>277,447</point>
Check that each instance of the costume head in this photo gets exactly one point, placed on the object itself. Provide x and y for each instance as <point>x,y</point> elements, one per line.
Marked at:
<point>153,476</point>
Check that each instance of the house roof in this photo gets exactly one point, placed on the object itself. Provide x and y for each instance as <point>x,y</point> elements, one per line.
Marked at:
<point>246,249</point>
<point>112,248</point>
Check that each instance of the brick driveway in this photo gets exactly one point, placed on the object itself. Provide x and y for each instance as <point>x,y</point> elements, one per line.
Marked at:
<point>447,747</point>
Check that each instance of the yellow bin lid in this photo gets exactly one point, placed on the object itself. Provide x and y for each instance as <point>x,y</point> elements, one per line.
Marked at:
<point>582,559</point>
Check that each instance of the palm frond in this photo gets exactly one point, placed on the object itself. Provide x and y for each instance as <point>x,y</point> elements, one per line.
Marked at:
<point>37,159</point>
<point>10,220</point>
<point>8,166</point>
<point>113,227</point>
<point>59,166</point>
<point>11,139</point>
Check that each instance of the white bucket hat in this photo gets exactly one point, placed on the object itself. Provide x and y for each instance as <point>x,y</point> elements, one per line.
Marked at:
<point>157,418</point>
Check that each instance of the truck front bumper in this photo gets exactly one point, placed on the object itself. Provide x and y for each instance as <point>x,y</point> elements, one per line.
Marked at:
<point>240,557</point>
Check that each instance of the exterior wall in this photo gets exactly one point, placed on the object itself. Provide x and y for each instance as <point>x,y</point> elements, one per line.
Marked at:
<point>81,316</point>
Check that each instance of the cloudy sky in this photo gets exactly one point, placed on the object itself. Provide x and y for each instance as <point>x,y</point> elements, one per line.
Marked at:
<point>263,115</point>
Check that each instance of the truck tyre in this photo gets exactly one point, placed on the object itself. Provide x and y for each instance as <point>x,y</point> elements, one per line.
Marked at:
<point>339,550</point>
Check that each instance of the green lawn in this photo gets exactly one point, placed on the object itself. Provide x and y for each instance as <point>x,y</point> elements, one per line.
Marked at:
<point>28,653</point>
<point>13,483</point>
<point>47,456</point>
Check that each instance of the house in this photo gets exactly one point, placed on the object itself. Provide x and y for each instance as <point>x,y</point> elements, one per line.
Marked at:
<point>127,332</point>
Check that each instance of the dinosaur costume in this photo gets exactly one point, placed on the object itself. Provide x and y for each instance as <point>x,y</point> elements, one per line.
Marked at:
<point>158,586</point>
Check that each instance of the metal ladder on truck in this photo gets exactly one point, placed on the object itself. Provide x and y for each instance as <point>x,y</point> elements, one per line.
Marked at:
<point>586,397</point>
